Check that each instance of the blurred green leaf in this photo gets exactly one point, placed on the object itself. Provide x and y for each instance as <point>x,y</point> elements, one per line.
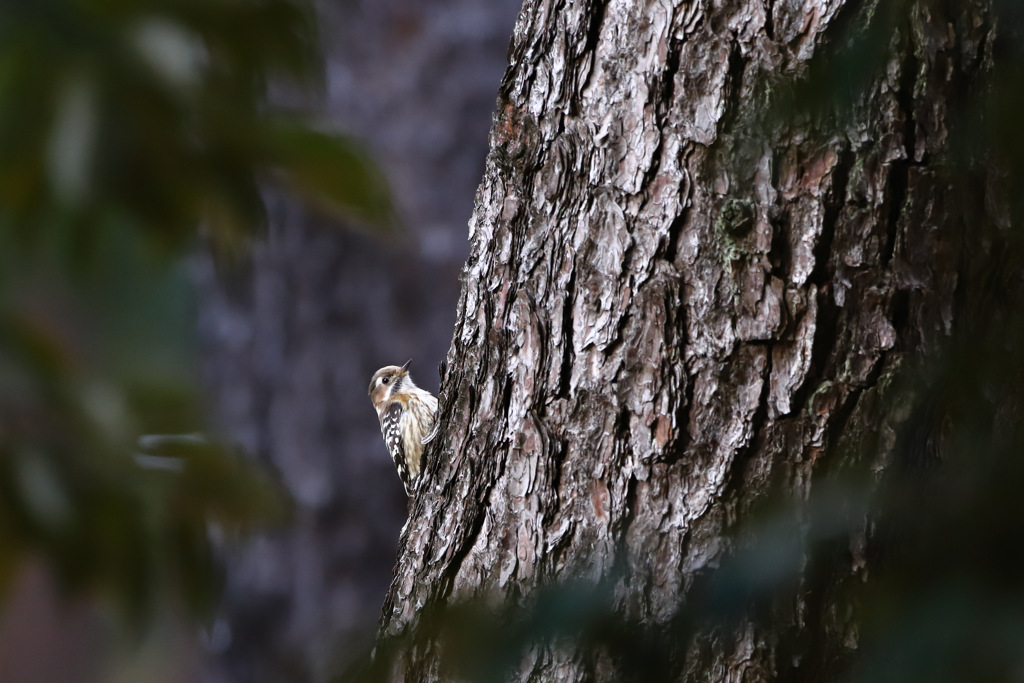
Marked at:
<point>129,129</point>
<point>154,112</point>
<point>330,171</point>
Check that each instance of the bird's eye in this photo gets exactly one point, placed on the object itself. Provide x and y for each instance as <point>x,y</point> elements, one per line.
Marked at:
<point>386,380</point>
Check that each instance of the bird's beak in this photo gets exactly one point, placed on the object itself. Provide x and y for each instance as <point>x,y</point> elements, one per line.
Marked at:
<point>405,368</point>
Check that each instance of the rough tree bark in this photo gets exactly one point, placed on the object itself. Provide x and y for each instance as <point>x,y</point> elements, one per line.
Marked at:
<point>677,306</point>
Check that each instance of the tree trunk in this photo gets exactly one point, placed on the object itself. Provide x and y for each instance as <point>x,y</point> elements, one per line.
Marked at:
<point>679,304</point>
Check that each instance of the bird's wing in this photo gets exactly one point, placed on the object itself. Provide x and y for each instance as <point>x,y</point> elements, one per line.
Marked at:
<point>391,429</point>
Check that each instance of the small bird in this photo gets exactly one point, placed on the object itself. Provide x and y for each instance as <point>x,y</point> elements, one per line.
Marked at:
<point>406,415</point>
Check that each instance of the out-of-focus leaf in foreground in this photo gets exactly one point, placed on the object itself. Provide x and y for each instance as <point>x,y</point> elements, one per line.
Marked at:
<point>330,172</point>
<point>153,112</point>
<point>89,365</point>
<point>128,130</point>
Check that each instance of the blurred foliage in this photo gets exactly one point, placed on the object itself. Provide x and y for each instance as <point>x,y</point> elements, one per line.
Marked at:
<point>128,130</point>
<point>914,576</point>
<point>152,112</point>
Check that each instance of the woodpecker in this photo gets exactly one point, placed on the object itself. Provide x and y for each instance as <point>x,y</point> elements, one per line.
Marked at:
<point>406,415</point>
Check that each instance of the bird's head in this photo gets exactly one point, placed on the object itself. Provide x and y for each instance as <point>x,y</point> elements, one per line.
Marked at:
<point>387,382</point>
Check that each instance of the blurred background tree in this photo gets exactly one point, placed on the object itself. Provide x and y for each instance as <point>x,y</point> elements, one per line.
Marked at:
<point>289,341</point>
